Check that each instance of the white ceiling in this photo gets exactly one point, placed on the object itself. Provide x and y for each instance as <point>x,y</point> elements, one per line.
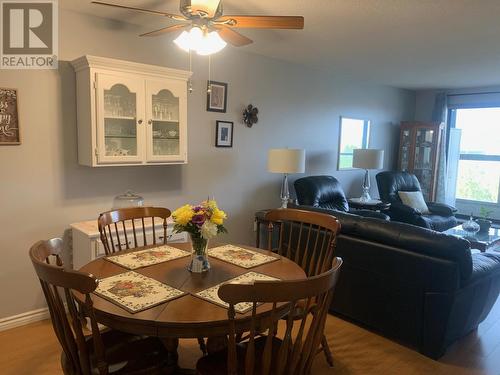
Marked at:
<point>412,44</point>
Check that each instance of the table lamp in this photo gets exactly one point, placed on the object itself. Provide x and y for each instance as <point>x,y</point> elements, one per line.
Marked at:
<point>286,161</point>
<point>366,158</point>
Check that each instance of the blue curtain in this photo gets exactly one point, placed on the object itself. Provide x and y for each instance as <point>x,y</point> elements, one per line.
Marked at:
<point>440,114</point>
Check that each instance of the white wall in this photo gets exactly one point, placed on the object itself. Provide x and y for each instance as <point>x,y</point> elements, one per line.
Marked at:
<point>43,189</point>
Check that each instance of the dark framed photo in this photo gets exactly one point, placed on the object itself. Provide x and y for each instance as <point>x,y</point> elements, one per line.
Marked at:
<point>217,97</point>
<point>224,134</point>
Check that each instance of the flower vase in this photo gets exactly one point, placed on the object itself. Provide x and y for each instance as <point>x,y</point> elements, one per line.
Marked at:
<point>199,257</point>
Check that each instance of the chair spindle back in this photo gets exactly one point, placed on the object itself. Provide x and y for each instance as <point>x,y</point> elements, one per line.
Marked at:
<point>114,225</point>
<point>296,351</point>
<point>57,285</point>
<point>306,237</point>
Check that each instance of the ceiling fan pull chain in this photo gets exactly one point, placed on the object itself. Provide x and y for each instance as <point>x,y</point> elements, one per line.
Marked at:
<point>209,86</point>
<point>190,82</point>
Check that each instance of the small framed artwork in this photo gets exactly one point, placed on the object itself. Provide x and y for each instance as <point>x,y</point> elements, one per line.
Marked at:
<point>224,134</point>
<point>9,117</point>
<point>217,97</point>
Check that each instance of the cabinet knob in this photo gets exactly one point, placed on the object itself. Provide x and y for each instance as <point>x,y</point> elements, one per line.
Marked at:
<point>150,122</point>
<point>139,122</point>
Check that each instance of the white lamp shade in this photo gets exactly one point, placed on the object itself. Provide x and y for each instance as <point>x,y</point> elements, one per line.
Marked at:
<point>285,160</point>
<point>367,158</point>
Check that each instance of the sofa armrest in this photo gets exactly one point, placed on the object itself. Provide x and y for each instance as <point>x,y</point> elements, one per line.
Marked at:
<point>441,209</point>
<point>404,210</point>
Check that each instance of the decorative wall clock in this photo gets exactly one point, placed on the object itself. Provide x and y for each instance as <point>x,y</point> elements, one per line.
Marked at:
<point>250,115</point>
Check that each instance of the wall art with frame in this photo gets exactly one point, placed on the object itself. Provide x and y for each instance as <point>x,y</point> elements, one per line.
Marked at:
<point>224,134</point>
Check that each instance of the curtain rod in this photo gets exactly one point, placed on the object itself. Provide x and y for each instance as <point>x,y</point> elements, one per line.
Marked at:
<point>475,93</point>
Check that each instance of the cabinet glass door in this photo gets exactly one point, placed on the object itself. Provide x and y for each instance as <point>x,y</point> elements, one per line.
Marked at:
<point>165,132</point>
<point>405,149</point>
<point>424,156</point>
<point>120,103</point>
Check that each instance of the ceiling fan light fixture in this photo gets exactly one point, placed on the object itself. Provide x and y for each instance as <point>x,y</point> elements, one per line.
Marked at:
<point>203,43</point>
<point>212,43</point>
<point>183,41</point>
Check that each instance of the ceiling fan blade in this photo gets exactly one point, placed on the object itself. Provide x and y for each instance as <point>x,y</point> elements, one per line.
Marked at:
<point>233,37</point>
<point>165,30</point>
<point>262,22</point>
<point>176,17</point>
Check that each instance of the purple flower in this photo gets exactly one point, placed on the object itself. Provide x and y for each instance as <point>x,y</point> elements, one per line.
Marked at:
<point>197,208</point>
<point>198,220</point>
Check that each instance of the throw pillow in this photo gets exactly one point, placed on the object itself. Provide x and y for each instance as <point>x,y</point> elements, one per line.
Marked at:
<point>415,200</point>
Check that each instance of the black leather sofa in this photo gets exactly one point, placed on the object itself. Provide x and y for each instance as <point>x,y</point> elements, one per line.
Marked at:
<point>441,216</point>
<point>326,192</point>
<point>420,287</point>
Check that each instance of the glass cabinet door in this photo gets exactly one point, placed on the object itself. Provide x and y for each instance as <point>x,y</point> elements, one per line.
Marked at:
<point>166,125</point>
<point>424,157</point>
<point>120,103</point>
<point>405,149</point>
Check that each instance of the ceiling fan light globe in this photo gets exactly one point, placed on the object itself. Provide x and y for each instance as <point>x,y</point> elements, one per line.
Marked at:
<point>183,41</point>
<point>211,43</point>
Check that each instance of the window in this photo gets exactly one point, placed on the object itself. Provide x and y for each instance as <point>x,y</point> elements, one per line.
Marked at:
<point>478,176</point>
<point>354,134</point>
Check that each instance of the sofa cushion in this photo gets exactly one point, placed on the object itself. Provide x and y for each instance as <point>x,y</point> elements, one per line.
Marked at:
<point>416,239</point>
<point>389,183</point>
<point>484,264</point>
<point>321,191</point>
<point>439,223</point>
<point>415,200</point>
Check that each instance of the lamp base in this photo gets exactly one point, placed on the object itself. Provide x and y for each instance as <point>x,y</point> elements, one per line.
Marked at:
<point>285,193</point>
<point>365,197</point>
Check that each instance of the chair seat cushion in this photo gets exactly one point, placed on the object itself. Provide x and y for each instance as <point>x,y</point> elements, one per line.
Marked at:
<point>216,364</point>
<point>440,223</point>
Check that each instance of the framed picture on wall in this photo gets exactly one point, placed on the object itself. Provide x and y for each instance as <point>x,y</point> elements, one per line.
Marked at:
<point>9,117</point>
<point>224,134</point>
<point>217,96</point>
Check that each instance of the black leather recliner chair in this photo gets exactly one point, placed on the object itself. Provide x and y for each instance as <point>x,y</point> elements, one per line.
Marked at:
<point>325,192</point>
<point>441,215</point>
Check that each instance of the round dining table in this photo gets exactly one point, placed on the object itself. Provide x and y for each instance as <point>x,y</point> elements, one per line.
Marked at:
<point>187,316</point>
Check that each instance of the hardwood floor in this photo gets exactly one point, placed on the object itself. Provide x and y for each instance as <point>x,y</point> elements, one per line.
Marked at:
<point>33,349</point>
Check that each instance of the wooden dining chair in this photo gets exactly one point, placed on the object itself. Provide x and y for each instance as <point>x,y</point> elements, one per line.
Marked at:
<point>309,239</point>
<point>110,352</point>
<point>263,352</point>
<point>113,226</point>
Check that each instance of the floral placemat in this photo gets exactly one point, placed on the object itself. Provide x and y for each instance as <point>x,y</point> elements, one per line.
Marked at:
<point>135,292</point>
<point>148,257</point>
<point>211,295</point>
<point>240,257</point>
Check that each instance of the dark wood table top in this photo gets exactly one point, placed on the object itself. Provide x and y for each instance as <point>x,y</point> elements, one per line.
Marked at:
<point>187,316</point>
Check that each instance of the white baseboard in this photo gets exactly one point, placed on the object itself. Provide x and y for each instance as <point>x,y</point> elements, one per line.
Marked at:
<point>24,318</point>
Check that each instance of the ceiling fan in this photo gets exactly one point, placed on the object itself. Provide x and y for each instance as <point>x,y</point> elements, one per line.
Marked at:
<point>209,29</point>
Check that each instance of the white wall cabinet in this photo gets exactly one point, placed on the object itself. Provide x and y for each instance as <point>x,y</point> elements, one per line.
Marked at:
<point>130,113</point>
<point>87,245</point>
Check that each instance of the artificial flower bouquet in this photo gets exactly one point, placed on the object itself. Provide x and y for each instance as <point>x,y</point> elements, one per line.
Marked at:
<point>202,222</point>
